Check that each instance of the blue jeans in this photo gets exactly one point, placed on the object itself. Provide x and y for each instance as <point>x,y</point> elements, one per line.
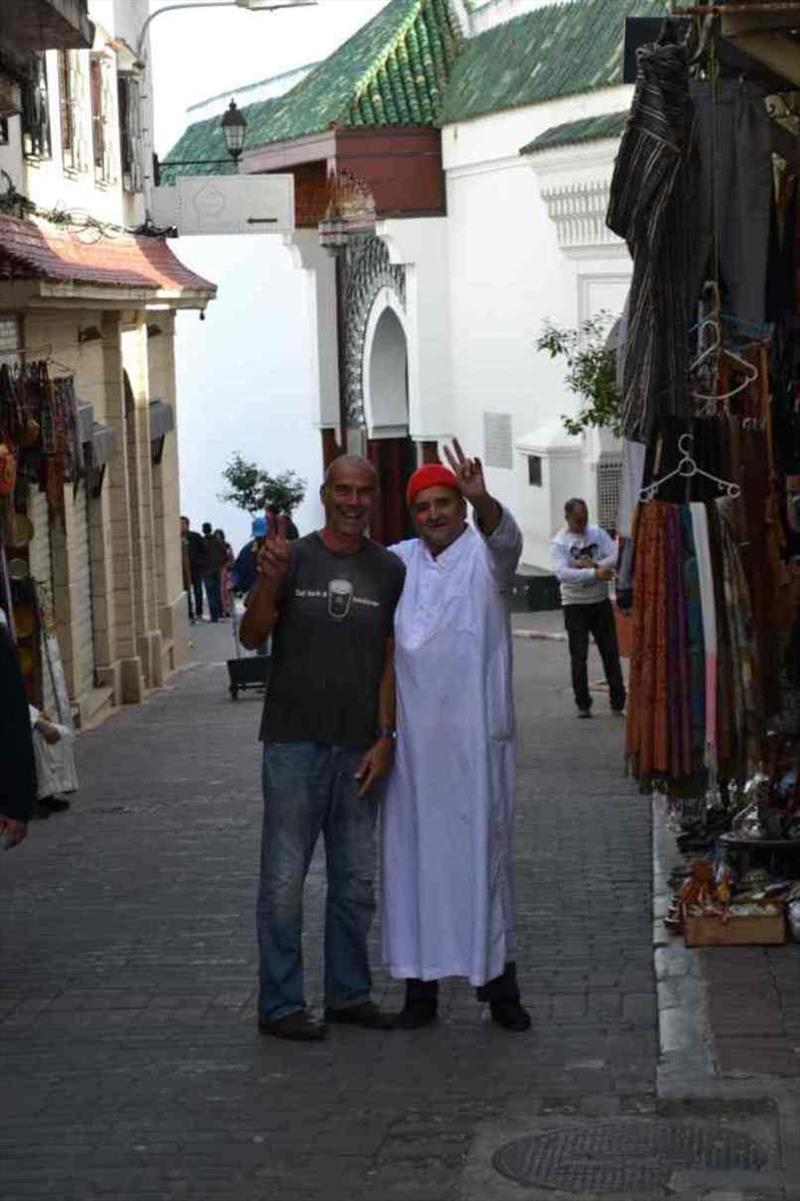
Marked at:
<point>214,594</point>
<point>310,788</point>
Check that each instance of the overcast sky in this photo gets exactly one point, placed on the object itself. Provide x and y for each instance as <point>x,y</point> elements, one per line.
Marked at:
<point>242,383</point>
<point>197,54</point>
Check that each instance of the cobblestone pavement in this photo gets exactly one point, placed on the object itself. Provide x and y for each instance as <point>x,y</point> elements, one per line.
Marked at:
<point>130,1065</point>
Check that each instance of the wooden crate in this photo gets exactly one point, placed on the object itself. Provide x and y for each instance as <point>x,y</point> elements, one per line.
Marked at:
<point>767,929</point>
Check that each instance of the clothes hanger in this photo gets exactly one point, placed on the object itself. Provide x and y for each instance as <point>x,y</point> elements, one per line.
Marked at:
<point>749,369</point>
<point>687,468</point>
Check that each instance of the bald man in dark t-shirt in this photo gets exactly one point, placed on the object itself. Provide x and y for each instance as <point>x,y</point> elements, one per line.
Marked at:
<point>328,734</point>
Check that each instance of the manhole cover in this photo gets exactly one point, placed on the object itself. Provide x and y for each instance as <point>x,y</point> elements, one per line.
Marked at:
<point>624,1157</point>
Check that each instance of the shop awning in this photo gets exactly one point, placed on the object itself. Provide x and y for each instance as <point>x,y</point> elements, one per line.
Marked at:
<point>102,258</point>
<point>162,419</point>
<point>103,439</point>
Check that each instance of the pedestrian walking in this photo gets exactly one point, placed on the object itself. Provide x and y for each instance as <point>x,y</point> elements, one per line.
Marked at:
<point>196,553</point>
<point>186,570</point>
<point>215,561</point>
<point>584,560</point>
<point>328,734</point>
<point>18,773</point>
<point>225,587</point>
<point>448,897</point>
<point>244,572</point>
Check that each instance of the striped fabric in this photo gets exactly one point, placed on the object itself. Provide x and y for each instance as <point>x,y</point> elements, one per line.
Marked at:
<point>650,200</point>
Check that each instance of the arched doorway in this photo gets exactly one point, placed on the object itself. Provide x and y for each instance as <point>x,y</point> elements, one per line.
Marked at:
<point>386,411</point>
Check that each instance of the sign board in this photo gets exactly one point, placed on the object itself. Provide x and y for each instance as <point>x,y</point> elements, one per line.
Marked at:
<point>227,204</point>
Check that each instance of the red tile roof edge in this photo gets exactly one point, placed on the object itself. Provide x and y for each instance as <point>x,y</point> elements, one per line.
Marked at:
<point>38,249</point>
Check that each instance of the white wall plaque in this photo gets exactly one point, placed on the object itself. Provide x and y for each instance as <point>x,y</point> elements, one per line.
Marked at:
<point>227,204</point>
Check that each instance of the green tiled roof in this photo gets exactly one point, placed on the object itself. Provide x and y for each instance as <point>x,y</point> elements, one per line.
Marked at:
<point>560,50</point>
<point>393,71</point>
<point>589,129</point>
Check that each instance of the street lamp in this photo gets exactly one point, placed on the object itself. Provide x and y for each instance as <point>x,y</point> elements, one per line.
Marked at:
<point>234,127</point>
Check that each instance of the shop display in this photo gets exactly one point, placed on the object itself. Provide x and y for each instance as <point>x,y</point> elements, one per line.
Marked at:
<point>40,448</point>
<point>711,391</point>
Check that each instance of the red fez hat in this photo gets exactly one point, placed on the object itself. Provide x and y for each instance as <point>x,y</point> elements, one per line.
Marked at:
<point>432,475</point>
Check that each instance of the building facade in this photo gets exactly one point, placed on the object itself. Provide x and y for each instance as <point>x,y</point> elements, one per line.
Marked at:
<point>457,160</point>
<point>87,309</point>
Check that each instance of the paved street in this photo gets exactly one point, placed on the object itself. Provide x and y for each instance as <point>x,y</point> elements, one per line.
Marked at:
<point>130,1065</point>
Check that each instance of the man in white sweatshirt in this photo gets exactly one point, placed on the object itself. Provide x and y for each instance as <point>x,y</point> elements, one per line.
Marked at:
<point>584,559</point>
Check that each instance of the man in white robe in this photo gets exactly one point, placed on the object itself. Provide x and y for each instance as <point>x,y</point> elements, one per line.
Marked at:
<point>448,898</point>
<point>54,751</point>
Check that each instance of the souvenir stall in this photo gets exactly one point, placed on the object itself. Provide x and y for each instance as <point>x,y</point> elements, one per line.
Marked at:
<point>40,451</point>
<point>709,373</point>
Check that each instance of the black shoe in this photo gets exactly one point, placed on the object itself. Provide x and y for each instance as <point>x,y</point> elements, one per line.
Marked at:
<point>618,710</point>
<point>584,713</point>
<point>416,1014</point>
<point>299,1027</point>
<point>510,1015</point>
<point>54,804</point>
<point>40,812</point>
<point>367,1015</point>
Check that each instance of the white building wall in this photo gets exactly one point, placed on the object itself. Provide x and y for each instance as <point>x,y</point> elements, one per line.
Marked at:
<point>507,275</point>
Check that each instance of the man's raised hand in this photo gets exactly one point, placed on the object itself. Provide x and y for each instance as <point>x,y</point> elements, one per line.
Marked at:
<point>469,473</point>
<point>273,558</point>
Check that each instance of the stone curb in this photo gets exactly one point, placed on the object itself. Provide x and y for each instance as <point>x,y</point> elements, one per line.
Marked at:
<point>688,1074</point>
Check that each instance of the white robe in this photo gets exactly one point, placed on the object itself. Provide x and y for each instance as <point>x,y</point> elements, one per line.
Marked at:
<point>448,900</point>
<point>55,762</point>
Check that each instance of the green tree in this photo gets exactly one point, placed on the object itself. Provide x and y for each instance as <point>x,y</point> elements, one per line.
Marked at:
<point>591,371</point>
<point>254,490</point>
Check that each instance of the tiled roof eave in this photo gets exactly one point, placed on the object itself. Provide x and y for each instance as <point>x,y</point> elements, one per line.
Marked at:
<point>602,127</point>
<point>510,108</point>
<point>57,257</point>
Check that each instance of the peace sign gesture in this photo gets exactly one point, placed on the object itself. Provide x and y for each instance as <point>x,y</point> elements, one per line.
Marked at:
<point>469,473</point>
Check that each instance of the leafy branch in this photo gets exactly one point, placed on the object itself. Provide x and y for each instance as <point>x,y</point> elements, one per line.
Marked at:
<point>255,490</point>
<point>591,371</point>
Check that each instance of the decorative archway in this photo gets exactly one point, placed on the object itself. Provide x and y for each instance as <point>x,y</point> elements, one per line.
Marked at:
<point>368,273</point>
<point>376,375</point>
<point>385,371</point>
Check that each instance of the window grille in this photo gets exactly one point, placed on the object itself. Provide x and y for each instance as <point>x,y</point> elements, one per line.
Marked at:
<point>9,338</point>
<point>497,439</point>
<point>609,483</point>
<point>70,93</point>
<point>130,132</point>
<point>36,141</point>
<point>100,76</point>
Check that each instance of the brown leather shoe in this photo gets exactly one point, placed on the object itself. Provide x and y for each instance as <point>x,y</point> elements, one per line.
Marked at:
<point>299,1027</point>
<point>366,1015</point>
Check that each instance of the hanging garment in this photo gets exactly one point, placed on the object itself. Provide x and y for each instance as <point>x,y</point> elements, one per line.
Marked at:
<point>651,193</point>
<point>731,213</point>
<point>633,462</point>
<point>747,707</point>
<point>709,613</point>
<point>447,817</point>
<point>695,642</point>
<point>647,732</point>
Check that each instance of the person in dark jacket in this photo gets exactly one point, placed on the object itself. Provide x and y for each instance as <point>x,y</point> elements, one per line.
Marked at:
<point>244,571</point>
<point>196,551</point>
<point>216,558</point>
<point>18,770</point>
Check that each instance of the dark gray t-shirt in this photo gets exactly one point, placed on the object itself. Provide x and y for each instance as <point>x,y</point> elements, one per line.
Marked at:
<point>329,646</point>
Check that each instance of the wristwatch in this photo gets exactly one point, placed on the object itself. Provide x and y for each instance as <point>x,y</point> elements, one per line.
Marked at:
<point>387,732</point>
